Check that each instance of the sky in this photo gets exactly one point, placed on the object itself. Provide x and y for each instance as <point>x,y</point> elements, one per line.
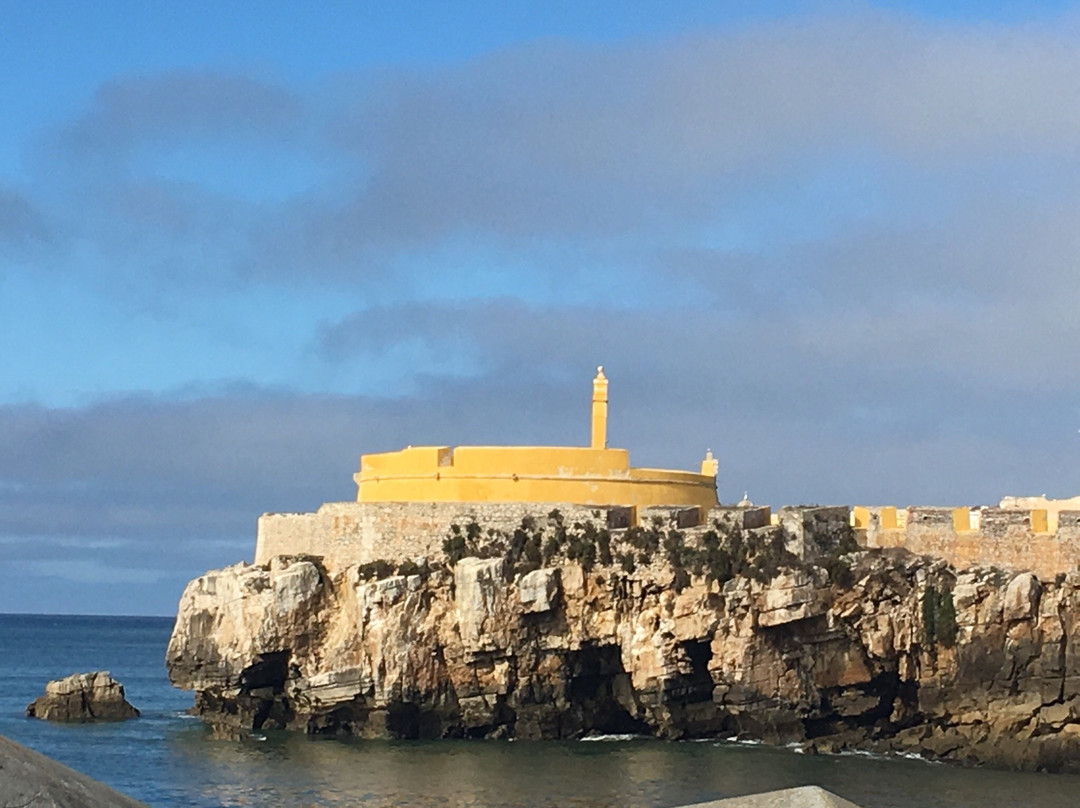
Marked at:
<point>837,243</point>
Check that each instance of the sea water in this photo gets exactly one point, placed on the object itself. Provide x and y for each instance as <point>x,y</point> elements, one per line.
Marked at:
<point>167,758</point>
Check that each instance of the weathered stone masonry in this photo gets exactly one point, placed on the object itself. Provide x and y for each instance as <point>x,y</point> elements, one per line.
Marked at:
<point>1012,539</point>
<point>348,533</point>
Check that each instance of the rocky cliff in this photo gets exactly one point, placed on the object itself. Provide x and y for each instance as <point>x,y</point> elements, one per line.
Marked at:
<point>552,633</point>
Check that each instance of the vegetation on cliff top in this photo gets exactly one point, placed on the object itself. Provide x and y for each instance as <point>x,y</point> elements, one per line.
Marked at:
<point>717,554</point>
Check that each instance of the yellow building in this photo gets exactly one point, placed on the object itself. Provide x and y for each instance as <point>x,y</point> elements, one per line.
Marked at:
<point>592,475</point>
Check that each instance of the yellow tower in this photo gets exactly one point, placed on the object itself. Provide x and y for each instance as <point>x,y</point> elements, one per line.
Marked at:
<point>599,410</point>
<point>710,466</point>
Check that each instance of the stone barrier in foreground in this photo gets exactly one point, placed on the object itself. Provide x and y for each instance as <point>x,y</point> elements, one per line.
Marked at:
<point>31,779</point>
<point>804,797</point>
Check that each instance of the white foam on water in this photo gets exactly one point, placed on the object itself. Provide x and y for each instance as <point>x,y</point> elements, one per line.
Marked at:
<point>866,753</point>
<point>613,737</point>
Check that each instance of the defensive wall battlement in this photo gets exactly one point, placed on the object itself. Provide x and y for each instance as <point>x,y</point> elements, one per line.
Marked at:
<point>1012,538</point>
<point>347,533</point>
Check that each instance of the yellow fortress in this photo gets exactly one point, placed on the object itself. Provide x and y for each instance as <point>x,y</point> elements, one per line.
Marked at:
<point>584,475</point>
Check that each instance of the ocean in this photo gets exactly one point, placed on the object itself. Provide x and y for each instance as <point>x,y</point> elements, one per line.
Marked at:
<point>167,758</point>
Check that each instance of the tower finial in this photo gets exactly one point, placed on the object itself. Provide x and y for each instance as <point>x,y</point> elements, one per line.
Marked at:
<point>710,467</point>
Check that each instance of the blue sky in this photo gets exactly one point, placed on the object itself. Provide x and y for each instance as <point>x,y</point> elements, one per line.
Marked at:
<point>243,243</point>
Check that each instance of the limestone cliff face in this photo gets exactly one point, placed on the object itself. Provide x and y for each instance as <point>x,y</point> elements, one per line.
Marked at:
<point>896,652</point>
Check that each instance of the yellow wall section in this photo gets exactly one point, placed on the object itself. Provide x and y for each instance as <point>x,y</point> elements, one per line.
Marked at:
<point>584,475</point>
<point>526,474</point>
<point>860,517</point>
<point>961,518</point>
<point>1039,522</point>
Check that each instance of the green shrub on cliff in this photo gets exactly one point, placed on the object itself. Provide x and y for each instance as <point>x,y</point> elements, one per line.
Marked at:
<point>840,574</point>
<point>410,567</point>
<point>728,552</point>
<point>375,570</point>
<point>946,620</point>
<point>551,549</point>
<point>582,550</point>
<point>645,540</point>
<point>532,549</point>
<point>524,553</point>
<point>681,580</point>
<point>673,545</point>
<point>604,547</point>
<point>720,553</point>
<point>939,617</point>
<point>770,556</point>
<point>846,541</point>
<point>454,546</point>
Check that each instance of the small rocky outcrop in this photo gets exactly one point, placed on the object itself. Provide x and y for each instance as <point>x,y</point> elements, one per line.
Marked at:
<point>556,632</point>
<point>94,696</point>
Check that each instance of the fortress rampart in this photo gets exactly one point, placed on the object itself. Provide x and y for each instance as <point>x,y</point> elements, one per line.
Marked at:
<point>1011,538</point>
<point>346,533</point>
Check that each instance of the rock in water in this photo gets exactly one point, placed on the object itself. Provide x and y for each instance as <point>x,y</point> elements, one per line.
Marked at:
<point>805,797</point>
<point>94,696</point>
<point>31,779</point>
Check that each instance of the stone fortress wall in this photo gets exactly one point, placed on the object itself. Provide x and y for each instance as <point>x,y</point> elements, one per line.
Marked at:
<point>347,533</point>
<point>1043,540</point>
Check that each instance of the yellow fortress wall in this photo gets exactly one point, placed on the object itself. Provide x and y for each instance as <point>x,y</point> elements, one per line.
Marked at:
<point>593,475</point>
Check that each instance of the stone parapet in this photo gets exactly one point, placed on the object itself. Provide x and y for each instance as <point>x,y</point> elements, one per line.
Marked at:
<point>1010,538</point>
<point>811,531</point>
<point>745,518</point>
<point>345,533</point>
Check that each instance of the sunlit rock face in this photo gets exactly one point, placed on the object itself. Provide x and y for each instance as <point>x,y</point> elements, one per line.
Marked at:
<point>93,696</point>
<point>728,634</point>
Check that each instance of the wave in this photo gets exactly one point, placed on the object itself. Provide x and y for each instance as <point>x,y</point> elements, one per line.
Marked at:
<point>613,737</point>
